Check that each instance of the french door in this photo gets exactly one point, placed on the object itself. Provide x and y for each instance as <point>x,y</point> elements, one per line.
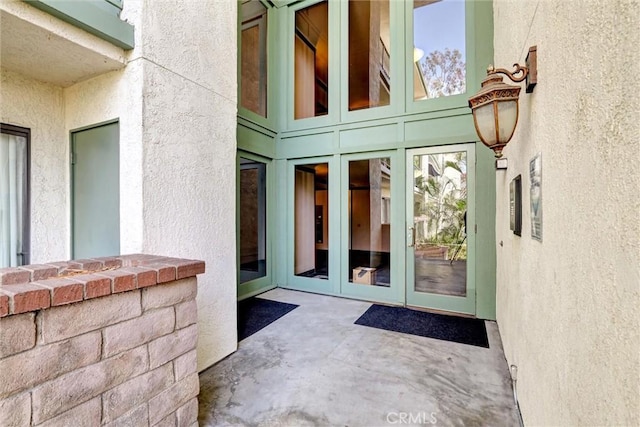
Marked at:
<point>440,235</point>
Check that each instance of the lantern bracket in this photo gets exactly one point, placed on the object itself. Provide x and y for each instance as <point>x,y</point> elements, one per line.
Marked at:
<point>511,74</point>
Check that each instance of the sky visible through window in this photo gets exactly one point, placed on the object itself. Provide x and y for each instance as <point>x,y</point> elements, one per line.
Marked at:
<point>439,26</point>
<point>439,39</point>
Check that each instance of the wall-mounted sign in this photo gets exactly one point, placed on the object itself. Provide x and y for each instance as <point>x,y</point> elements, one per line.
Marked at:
<point>535,178</point>
<point>515,205</point>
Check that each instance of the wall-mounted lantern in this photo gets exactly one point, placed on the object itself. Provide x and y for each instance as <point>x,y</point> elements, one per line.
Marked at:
<point>495,106</point>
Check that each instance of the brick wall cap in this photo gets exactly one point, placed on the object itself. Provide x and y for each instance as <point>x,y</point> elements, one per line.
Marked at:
<point>66,282</point>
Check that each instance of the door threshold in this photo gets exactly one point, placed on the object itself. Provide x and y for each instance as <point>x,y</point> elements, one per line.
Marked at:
<point>444,312</point>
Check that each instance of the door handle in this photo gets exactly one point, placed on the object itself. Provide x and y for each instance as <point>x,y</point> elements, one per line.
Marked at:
<point>411,237</point>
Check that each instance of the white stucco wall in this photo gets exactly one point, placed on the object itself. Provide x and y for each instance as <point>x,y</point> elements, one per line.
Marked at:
<point>567,307</point>
<point>176,102</point>
<point>189,54</point>
<point>39,107</point>
<point>116,95</point>
<point>176,105</point>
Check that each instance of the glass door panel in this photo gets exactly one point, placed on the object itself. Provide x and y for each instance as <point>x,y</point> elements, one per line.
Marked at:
<point>439,212</point>
<point>253,220</point>
<point>311,233</point>
<point>369,204</point>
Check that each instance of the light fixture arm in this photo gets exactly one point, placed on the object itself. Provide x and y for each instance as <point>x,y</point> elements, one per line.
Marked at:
<point>519,69</point>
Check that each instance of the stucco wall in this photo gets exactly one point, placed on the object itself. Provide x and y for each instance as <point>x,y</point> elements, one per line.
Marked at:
<point>176,104</point>
<point>116,95</point>
<point>189,140</point>
<point>567,307</point>
<point>39,107</point>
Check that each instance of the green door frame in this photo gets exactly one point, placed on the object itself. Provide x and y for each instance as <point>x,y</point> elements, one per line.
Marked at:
<point>264,283</point>
<point>72,171</point>
<point>324,286</point>
<point>467,304</point>
<point>394,294</point>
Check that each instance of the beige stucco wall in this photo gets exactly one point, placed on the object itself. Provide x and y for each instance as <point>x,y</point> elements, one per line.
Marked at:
<point>176,105</point>
<point>567,307</point>
<point>39,107</point>
<point>189,121</point>
<point>176,102</point>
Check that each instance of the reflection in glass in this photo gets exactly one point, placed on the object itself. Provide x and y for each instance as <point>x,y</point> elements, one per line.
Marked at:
<point>253,57</point>
<point>311,89</point>
<point>439,48</point>
<point>253,220</point>
<point>440,223</point>
<point>369,228</point>
<point>369,59</point>
<point>312,221</point>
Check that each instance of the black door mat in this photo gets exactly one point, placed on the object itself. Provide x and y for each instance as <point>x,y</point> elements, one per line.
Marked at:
<point>439,326</point>
<point>256,313</point>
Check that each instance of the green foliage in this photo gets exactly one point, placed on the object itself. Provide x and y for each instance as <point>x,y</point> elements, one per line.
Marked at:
<point>444,203</point>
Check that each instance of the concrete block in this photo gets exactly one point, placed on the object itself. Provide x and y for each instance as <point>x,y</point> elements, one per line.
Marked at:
<point>121,399</point>
<point>168,347</point>
<point>187,414</point>
<point>15,411</point>
<point>86,414</point>
<point>65,392</point>
<point>17,333</point>
<point>135,332</point>
<point>138,416</point>
<point>63,322</point>
<point>185,365</point>
<point>42,363</point>
<point>186,314</point>
<point>169,294</point>
<point>168,421</point>
<point>173,398</point>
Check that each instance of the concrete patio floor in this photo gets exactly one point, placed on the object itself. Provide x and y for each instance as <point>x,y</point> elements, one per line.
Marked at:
<point>315,367</point>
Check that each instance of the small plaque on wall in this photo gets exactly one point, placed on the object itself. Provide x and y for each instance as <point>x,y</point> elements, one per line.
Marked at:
<point>515,205</point>
<point>535,177</point>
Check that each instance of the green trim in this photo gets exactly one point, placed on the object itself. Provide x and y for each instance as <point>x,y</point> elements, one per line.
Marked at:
<point>306,283</point>
<point>465,304</point>
<point>382,131</point>
<point>261,284</point>
<point>72,142</point>
<point>97,18</point>
<point>394,293</point>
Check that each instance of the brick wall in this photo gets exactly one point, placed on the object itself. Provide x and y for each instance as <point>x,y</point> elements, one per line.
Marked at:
<point>107,341</point>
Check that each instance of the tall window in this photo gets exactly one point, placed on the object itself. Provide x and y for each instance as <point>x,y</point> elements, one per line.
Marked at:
<point>14,196</point>
<point>369,234</point>
<point>253,57</point>
<point>312,221</point>
<point>253,220</point>
<point>369,57</point>
<point>312,61</point>
<point>438,48</point>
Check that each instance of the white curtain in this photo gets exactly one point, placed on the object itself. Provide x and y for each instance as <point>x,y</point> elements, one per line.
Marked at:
<point>13,152</point>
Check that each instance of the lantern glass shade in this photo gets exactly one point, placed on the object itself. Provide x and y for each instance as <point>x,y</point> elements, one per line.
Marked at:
<point>507,119</point>
<point>486,120</point>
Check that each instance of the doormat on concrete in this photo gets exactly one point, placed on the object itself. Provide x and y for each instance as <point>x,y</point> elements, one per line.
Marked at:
<point>256,313</point>
<point>439,326</point>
